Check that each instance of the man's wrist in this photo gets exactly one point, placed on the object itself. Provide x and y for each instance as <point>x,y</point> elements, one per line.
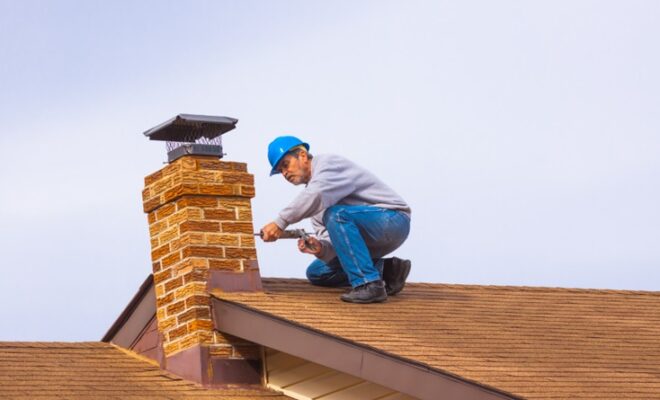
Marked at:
<point>280,223</point>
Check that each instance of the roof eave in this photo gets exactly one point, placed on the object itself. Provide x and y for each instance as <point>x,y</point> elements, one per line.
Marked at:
<point>342,355</point>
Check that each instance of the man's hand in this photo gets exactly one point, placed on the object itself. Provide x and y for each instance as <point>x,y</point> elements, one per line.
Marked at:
<point>271,232</point>
<point>311,246</point>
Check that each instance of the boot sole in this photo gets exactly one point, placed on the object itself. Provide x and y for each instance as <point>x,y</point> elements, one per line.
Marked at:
<point>376,300</point>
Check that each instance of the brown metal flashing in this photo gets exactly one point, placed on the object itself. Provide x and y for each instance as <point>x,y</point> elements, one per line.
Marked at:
<point>190,364</point>
<point>149,343</point>
<point>198,365</point>
<point>229,281</point>
<point>367,363</point>
<point>135,317</point>
<point>235,372</point>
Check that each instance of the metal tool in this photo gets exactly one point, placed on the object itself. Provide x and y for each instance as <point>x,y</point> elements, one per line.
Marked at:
<point>292,234</point>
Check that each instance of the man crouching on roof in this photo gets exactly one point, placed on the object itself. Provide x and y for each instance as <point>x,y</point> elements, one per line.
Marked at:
<point>357,218</point>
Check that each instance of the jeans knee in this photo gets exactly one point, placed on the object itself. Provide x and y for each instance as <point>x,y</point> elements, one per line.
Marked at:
<point>314,272</point>
<point>332,215</point>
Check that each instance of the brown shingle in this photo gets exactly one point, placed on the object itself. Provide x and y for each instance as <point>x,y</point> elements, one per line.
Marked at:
<point>537,343</point>
<point>96,370</point>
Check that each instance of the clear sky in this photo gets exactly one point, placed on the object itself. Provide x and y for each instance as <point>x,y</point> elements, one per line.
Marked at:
<point>524,135</point>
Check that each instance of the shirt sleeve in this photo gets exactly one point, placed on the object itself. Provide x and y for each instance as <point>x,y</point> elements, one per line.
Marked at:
<point>329,184</point>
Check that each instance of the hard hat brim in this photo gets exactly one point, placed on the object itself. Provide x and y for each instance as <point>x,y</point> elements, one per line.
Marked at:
<point>274,170</point>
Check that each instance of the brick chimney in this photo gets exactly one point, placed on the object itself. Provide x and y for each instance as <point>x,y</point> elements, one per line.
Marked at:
<point>200,224</point>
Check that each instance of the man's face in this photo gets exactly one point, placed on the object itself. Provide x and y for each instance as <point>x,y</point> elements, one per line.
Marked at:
<point>296,170</point>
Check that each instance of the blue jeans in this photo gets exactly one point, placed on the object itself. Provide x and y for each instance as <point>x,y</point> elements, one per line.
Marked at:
<point>361,236</point>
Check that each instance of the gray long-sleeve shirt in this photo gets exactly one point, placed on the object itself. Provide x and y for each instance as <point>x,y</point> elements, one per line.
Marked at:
<point>336,180</point>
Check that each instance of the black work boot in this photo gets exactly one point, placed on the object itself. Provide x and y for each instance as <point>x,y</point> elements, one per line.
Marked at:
<point>395,273</point>
<point>372,292</point>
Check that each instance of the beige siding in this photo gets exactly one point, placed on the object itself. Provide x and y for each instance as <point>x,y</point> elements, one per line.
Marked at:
<point>304,380</point>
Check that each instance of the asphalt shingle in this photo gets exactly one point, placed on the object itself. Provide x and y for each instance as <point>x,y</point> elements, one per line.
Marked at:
<point>536,343</point>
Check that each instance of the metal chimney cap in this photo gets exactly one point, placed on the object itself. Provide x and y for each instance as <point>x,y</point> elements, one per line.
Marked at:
<point>190,127</point>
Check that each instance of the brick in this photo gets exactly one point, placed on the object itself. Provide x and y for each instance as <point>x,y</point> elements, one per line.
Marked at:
<point>173,193</point>
<point>238,252</point>
<point>147,194</point>
<point>177,332</point>
<point>239,167</point>
<point>200,325</point>
<point>188,163</point>
<point>202,176</point>
<point>237,227</point>
<point>247,191</point>
<point>159,252</point>
<point>249,352</point>
<point>160,290</point>
<point>228,177</point>
<point>193,238</point>
<point>160,314</point>
<point>229,202</point>
<point>222,214</point>
<point>198,300</point>
<point>154,242</point>
<point>164,300</point>
<point>171,348</point>
<point>151,205</point>
<point>189,264</point>
<point>199,226</point>
<point>190,340</point>
<point>217,189</point>
<point>165,211</point>
<point>224,264</point>
<point>170,260</point>
<point>169,235</point>
<point>162,276</point>
<point>213,164</point>
<point>188,213</point>
<point>173,284</point>
<point>196,275</point>
<point>205,336</point>
<point>189,290</point>
<point>244,214</point>
<point>150,179</point>
<point>187,239</point>
<point>151,217</point>
<point>161,186</point>
<point>196,201</point>
<point>156,266</point>
<point>197,313</point>
<point>224,351</point>
<point>171,169</point>
<point>176,308</point>
<point>157,228</point>
<point>250,265</point>
<point>166,324</point>
<point>222,239</point>
<point>203,251</point>
<point>247,241</point>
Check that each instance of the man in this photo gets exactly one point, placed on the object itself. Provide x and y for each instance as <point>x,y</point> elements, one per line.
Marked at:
<point>357,218</point>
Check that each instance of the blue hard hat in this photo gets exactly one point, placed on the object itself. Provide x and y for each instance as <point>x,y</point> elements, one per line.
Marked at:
<point>278,149</point>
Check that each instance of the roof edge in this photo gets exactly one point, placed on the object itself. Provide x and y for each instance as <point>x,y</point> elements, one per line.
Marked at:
<point>130,308</point>
<point>406,376</point>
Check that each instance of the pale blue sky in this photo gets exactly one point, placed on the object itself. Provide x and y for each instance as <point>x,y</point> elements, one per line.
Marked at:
<point>525,135</point>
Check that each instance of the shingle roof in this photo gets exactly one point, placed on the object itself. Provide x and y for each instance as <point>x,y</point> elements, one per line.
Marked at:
<point>536,343</point>
<point>96,370</point>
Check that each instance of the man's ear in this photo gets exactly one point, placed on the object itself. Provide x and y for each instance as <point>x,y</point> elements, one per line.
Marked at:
<point>303,155</point>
